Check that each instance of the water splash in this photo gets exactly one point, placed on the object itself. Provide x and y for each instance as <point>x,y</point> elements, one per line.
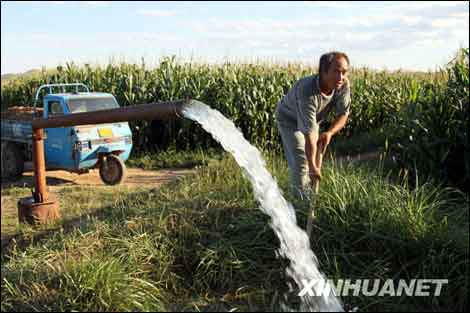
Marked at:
<point>294,242</point>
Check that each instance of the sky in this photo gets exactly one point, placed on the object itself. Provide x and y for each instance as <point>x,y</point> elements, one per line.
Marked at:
<point>381,35</point>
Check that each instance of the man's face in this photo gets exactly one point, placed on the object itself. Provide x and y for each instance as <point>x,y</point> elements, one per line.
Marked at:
<point>336,74</point>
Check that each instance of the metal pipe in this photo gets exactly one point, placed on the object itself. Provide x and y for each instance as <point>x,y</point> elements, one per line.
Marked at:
<point>40,192</point>
<point>149,111</point>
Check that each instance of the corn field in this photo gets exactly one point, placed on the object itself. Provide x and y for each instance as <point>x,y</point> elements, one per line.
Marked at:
<point>430,137</point>
<point>248,94</point>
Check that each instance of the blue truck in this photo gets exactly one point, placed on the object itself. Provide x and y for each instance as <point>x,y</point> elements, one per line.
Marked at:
<point>75,149</point>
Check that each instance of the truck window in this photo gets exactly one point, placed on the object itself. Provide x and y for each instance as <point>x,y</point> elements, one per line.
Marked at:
<point>91,104</point>
<point>55,108</point>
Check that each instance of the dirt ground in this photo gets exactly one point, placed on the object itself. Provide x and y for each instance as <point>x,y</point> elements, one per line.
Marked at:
<point>135,177</point>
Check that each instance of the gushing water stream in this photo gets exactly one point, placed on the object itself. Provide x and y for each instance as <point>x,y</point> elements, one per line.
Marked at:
<point>294,242</point>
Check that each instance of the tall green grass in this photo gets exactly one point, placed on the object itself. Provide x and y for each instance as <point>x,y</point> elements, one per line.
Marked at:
<point>202,244</point>
<point>372,228</point>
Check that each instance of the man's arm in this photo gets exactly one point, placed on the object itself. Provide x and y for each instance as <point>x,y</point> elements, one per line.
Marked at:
<point>336,126</point>
<point>311,140</point>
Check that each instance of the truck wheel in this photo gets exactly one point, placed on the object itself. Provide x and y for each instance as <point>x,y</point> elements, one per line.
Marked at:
<point>112,170</point>
<point>12,160</point>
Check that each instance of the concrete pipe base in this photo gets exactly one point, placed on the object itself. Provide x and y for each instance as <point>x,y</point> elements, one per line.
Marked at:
<point>38,213</point>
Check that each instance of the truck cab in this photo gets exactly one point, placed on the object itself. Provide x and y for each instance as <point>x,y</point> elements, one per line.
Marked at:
<point>79,148</point>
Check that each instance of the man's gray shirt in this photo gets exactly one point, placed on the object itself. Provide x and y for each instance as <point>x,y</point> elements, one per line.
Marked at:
<point>304,106</point>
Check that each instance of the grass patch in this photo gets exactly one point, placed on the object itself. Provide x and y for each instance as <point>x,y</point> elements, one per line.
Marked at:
<point>9,209</point>
<point>201,243</point>
<point>369,228</point>
<point>174,158</point>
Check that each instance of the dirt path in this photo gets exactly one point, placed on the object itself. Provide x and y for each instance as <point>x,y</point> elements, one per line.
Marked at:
<point>135,177</point>
<point>366,156</point>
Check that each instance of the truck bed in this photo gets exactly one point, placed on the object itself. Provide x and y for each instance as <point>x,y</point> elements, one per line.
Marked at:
<point>23,113</point>
<point>16,123</point>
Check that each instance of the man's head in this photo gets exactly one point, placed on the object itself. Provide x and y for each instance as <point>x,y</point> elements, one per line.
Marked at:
<point>334,67</point>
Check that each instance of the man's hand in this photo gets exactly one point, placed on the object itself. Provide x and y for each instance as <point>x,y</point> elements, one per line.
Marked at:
<point>314,174</point>
<point>324,141</point>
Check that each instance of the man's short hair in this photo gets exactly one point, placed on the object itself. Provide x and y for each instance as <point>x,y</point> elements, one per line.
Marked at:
<point>327,59</point>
